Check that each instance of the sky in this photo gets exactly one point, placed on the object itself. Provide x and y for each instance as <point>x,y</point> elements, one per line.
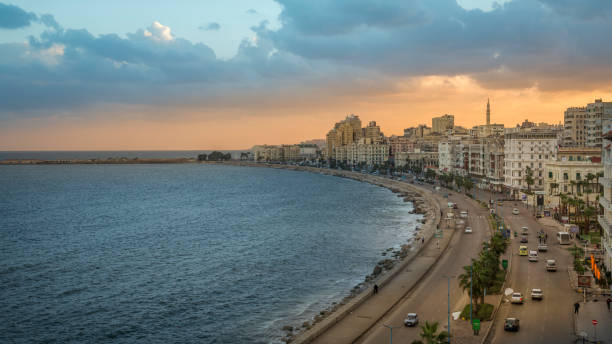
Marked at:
<point>133,75</point>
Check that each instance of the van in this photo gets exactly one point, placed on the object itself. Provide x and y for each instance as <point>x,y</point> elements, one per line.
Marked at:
<point>563,237</point>
<point>551,265</point>
<point>533,256</point>
<point>522,250</point>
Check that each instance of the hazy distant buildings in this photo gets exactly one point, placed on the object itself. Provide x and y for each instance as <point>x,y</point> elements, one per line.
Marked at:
<point>442,124</point>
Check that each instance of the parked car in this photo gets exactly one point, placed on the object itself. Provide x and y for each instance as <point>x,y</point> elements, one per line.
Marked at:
<point>533,256</point>
<point>412,319</point>
<point>551,265</point>
<point>468,230</point>
<point>511,324</point>
<point>537,294</point>
<point>542,247</point>
<point>516,298</point>
<point>524,239</point>
<point>515,211</point>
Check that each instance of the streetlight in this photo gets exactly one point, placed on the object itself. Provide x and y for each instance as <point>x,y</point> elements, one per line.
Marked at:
<point>390,332</point>
<point>448,297</point>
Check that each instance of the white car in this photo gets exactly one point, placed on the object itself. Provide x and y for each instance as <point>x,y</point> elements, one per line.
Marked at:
<point>412,319</point>
<point>537,294</point>
<point>533,256</point>
<point>463,214</point>
<point>515,211</point>
<point>516,298</point>
<point>525,230</point>
<point>468,230</point>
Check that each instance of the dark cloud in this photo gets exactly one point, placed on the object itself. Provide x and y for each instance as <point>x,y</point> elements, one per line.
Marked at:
<point>210,27</point>
<point>549,44</point>
<point>13,17</point>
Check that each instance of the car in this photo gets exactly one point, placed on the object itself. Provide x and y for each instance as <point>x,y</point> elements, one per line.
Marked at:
<point>522,250</point>
<point>412,319</point>
<point>516,298</point>
<point>533,256</point>
<point>463,214</point>
<point>515,211</point>
<point>454,205</point>
<point>537,294</point>
<point>450,204</point>
<point>524,239</point>
<point>511,324</point>
<point>542,247</point>
<point>468,229</point>
<point>499,203</point>
<point>551,265</point>
<point>525,229</point>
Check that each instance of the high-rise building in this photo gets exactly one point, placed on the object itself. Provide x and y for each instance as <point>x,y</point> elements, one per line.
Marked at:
<point>442,124</point>
<point>574,127</point>
<point>583,125</point>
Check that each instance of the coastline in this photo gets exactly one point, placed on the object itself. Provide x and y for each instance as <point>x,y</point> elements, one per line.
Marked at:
<point>423,204</point>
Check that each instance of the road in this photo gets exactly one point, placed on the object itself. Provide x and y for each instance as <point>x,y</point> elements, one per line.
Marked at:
<point>546,321</point>
<point>429,298</point>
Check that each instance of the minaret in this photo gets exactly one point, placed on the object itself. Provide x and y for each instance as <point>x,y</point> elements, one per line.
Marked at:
<point>488,113</point>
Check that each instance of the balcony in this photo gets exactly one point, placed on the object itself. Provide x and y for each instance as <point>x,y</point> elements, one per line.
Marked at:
<point>605,182</point>
<point>605,203</point>
<point>605,224</point>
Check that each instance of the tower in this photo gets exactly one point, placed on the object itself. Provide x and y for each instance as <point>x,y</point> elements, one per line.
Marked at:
<point>488,112</point>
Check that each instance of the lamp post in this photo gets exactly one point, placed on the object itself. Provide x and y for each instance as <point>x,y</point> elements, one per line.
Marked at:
<point>390,332</point>
<point>448,300</point>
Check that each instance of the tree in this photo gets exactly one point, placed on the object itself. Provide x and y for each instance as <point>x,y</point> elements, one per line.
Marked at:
<point>468,184</point>
<point>430,174</point>
<point>529,179</point>
<point>218,156</point>
<point>202,157</point>
<point>429,334</point>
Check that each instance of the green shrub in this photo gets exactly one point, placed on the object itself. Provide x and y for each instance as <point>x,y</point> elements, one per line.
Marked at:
<point>482,312</point>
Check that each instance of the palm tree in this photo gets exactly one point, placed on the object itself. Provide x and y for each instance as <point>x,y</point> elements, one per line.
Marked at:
<point>429,334</point>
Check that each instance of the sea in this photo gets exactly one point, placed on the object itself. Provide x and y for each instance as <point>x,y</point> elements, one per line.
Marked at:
<point>183,253</point>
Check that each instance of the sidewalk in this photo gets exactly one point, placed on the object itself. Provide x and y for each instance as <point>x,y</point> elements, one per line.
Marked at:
<point>595,310</point>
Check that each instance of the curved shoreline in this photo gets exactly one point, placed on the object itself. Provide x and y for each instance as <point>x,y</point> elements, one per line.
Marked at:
<point>422,203</point>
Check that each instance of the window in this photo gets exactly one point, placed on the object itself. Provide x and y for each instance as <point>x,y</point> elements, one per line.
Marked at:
<point>550,174</point>
<point>577,176</point>
<point>540,182</point>
<point>565,176</point>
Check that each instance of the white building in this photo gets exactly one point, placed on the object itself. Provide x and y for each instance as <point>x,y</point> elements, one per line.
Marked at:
<point>605,220</point>
<point>527,148</point>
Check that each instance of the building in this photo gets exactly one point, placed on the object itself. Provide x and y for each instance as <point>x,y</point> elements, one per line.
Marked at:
<point>574,127</point>
<point>442,124</point>
<point>364,151</point>
<point>344,132</point>
<point>596,114</point>
<point>605,220</point>
<point>573,172</point>
<point>423,160</point>
<point>530,147</point>
<point>417,132</point>
<point>372,132</point>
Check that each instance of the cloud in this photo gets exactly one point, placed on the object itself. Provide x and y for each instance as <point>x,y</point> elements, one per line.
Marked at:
<point>13,17</point>
<point>332,48</point>
<point>210,27</point>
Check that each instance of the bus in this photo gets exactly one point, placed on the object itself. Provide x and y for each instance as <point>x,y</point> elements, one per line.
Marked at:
<point>564,238</point>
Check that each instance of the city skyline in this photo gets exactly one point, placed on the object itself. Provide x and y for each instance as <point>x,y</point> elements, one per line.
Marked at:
<point>253,73</point>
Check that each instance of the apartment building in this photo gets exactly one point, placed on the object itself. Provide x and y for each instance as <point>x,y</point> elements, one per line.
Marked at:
<point>523,148</point>
<point>605,220</point>
<point>442,124</point>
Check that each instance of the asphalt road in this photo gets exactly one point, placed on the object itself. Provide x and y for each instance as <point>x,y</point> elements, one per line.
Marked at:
<point>429,298</point>
<point>546,321</point>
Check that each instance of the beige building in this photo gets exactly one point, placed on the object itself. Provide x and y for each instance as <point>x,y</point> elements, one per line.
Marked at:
<point>362,151</point>
<point>416,132</point>
<point>344,132</point>
<point>569,170</point>
<point>574,127</point>
<point>424,160</point>
<point>442,124</point>
<point>372,132</point>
